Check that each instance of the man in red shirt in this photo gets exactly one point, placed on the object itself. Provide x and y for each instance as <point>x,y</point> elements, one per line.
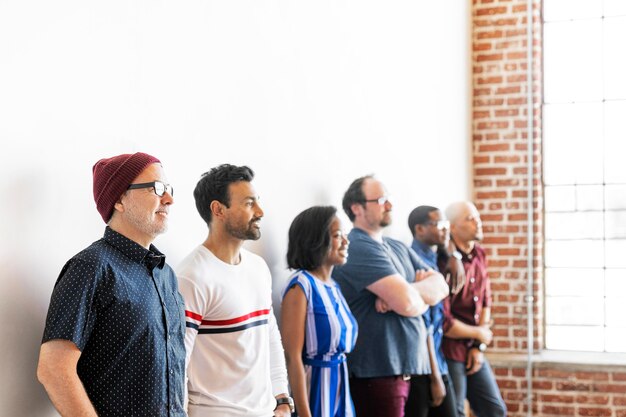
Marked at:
<point>467,316</point>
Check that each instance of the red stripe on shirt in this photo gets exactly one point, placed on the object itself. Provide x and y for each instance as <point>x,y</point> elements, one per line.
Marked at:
<point>236,319</point>
<point>193,315</point>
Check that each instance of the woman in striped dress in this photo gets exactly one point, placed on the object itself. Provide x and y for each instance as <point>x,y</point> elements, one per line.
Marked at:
<point>317,326</point>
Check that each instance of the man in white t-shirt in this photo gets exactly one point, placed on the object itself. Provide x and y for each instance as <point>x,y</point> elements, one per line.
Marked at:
<point>235,362</point>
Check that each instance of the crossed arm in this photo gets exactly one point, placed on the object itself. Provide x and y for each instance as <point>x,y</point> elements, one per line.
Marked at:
<point>409,299</point>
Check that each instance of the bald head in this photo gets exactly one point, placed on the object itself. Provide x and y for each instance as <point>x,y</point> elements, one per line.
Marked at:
<point>465,223</point>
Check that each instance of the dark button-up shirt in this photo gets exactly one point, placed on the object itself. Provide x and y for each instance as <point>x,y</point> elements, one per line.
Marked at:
<point>433,317</point>
<point>468,304</point>
<point>119,304</point>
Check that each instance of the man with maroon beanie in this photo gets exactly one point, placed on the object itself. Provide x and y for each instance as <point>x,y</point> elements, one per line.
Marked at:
<point>113,345</point>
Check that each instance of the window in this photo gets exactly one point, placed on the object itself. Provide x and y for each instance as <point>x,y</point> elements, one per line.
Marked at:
<point>584,143</point>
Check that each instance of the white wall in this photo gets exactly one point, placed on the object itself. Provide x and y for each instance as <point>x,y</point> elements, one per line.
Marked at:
<point>310,94</point>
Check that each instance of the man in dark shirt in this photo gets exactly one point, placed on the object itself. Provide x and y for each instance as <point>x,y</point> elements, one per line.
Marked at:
<point>467,316</point>
<point>113,345</point>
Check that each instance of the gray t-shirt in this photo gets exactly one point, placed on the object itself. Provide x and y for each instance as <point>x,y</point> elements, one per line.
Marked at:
<point>388,344</point>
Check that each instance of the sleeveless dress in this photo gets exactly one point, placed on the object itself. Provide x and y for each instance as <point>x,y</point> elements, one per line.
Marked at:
<point>330,333</point>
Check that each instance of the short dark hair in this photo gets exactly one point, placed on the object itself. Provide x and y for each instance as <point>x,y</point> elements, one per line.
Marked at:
<point>420,215</point>
<point>213,185</point>
<point>354,194</point>
<point>309,237</point>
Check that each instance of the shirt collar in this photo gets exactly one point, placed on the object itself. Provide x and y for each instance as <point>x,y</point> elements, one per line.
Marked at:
<point>425,252</point>
<point>150,257</point>
<point>466,257</point>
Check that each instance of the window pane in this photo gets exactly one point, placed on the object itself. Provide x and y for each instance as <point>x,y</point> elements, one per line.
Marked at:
<point>575,282</point>
<point>615,339</point>
<point>614,7</point>
<point>571,9</point>
<point>616,253</point>
<point>575,338</point>
<point>615,197</point>
<point>616,311</point>
<point>559,198</point>
<point>615,224</point>
<point>574,253</point>
<point>589,197</point>
<point>575,310</point>
<point>614,58</point>
<point>578,225</point>
<point>615,281</point>
<point>568,158</point>
<point>615,141</point>
<point>573,61</point>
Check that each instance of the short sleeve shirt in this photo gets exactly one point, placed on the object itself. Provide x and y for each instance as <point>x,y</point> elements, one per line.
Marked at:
<point>388,344</point>
<point>119,304</point>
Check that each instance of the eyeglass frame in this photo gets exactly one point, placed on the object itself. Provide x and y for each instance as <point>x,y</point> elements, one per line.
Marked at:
<point>380,200</point>
<point>167,188</point>
<point>445,224</point>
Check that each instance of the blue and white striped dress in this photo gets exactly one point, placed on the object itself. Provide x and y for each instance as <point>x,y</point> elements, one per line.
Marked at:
<point>330,333</point>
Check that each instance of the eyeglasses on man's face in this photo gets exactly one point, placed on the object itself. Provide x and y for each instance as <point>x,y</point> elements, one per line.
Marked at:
<point>441,224</point>
<point>159,188</point>
<point>381,200</point>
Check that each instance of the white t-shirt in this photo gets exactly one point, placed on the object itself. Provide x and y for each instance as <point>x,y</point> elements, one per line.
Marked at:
<point>235,359</point>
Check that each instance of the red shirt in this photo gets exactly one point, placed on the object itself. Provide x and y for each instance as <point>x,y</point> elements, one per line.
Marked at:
<point>467,305</point>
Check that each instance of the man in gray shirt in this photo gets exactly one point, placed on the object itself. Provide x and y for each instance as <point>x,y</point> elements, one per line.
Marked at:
<point>388,288</point>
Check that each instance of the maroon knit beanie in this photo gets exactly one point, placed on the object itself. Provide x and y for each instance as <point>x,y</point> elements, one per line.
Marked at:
<point>112,176</point>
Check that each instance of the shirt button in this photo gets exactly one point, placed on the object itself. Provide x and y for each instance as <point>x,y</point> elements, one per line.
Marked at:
<point>472,280</point>
<point>475,298</point>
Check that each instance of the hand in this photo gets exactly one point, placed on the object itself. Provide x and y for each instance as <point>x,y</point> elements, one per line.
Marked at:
<point>475,359</point>
<point>485,334</point>
<point>282,411</point>
<point>381,306</point>
<point>437,391</point>
<point>422,274</point>
<point>456,275</point>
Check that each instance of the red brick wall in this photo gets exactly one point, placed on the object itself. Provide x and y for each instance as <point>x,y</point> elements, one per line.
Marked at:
<point>499,173</point>
<point>500,160</point>
<point>561,391</point>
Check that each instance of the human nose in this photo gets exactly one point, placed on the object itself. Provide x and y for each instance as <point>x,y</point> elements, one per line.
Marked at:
<point>167,198</point>
<point>258,212</point>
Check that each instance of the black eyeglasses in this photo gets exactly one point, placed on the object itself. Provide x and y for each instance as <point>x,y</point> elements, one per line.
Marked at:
<point>441,224</point>
<point>381,200</point>
<point>159,187</point>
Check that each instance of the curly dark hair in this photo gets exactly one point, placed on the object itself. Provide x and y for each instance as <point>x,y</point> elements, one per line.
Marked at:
<point>309,237</point>
<point>213,185</point>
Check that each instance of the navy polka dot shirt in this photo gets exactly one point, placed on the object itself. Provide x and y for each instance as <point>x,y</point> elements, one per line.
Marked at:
<point>119,303</point>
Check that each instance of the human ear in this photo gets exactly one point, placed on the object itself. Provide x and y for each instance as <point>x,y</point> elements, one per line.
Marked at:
<point>217,209</point>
